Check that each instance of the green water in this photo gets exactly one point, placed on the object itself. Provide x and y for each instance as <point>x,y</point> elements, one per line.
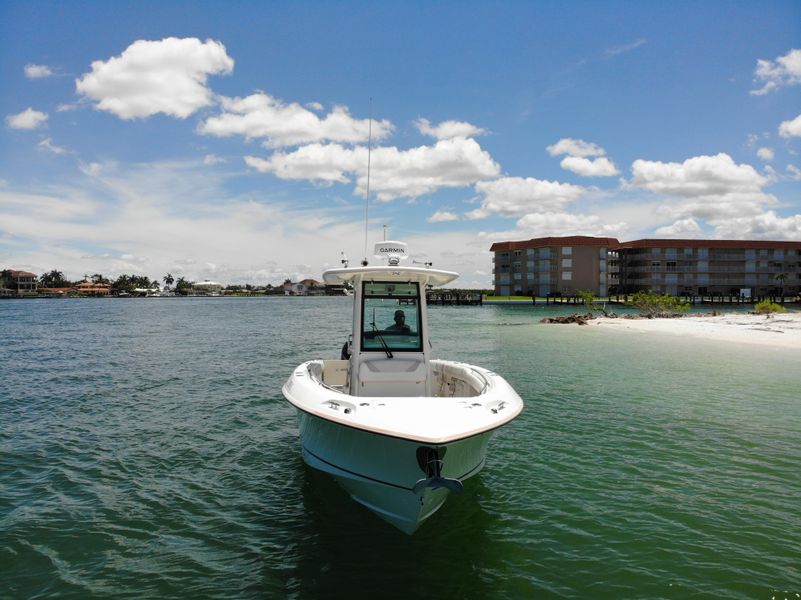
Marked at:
<point>146,451</point>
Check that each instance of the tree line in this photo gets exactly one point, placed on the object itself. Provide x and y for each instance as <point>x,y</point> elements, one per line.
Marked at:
<point>128,283</point>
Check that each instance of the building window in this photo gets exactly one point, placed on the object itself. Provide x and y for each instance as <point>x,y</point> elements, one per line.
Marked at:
<point>567,275</point>
<point>567,251</point>
<point>567,263</point>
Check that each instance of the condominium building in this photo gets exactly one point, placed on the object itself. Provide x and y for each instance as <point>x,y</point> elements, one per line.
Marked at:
<point>566,265</point>
<point>554,266</point>
<point>705,267</point>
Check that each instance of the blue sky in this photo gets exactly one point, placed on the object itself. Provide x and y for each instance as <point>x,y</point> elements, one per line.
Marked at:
<point>228,141</point>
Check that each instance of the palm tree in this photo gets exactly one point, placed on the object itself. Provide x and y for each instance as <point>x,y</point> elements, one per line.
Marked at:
<point>182,286</point>
<point>168,279</point>
<point>54,278</point>
<point>123,283</point>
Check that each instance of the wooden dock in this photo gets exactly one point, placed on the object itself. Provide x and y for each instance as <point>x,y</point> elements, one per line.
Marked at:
<point>451,298</point>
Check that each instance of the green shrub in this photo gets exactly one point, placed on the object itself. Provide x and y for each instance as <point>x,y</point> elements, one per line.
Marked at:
<point>766,307</point>
<point>591,301</point>
<point>650,304</point>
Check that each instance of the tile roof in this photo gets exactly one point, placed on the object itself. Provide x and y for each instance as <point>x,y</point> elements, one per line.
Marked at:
<point>614,244</point>
<point>673,243</point>
<point>573,240</point>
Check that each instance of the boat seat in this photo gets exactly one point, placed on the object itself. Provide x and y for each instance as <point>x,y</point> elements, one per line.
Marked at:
<point>335,372</point>
<point>397,376</point>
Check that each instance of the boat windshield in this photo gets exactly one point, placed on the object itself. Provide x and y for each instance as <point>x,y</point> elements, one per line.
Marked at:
<point>391,317</point>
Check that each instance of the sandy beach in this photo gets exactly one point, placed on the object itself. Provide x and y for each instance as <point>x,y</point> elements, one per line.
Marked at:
<point>780,330</point>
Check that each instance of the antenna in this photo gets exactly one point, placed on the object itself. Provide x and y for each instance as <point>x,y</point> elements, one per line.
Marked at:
<point>385,232</point>
<point>367,199</point>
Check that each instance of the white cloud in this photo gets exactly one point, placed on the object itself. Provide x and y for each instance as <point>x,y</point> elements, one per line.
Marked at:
<point>443,216</point>
<point>765,226</point>
<point>615,51</point>
<point>37,71</point>
<point>91,169</point>
<point>562,224</point>
<point>515,196</point>
<point>262,116</point>
<point>766,154</point>
<point>140,223</point>
<point>27,119</point>
<point>573,147</point>
<point>794,172</point>
<point>322,163</point>
<point>395,173</point>
<point>578,161</point>
<point>598,167</point>
<point>66,205</point>
<point>791,128</point>
<point>704,187</point>
<point>149,77</point>
<point>683,228</point>
<point>213,159</point>
<point>784,71</point>
<point>448,129</point>
<point>48,145</point>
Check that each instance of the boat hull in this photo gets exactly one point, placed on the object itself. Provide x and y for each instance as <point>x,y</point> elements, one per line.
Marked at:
<point>380,471</point>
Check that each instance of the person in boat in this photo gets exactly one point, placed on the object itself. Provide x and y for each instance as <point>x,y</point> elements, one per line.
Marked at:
<point>400,323</point>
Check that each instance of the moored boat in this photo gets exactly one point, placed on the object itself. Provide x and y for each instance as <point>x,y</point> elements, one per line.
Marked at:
<point>397,428</point>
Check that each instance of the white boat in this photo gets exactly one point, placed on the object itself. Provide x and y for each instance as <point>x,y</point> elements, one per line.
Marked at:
<point>397,428</point>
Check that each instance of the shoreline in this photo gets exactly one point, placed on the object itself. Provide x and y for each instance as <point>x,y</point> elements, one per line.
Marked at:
<point>781,330</point>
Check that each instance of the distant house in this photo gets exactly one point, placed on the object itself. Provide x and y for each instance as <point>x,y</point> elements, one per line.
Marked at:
<point>306,287</point>
<point>55,292</point>
<point>19,282</point>
<point>90,288</point>
<point>206,288</point>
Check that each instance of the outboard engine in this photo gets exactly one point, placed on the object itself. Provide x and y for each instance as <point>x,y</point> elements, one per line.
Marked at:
<point>430,461</point>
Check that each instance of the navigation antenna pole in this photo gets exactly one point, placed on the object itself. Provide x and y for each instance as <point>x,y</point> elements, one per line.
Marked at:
<point>367,200</point>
